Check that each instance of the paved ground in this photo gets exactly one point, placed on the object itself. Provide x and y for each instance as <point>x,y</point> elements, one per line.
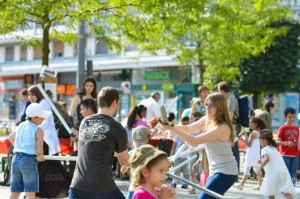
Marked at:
<point>233,192</point>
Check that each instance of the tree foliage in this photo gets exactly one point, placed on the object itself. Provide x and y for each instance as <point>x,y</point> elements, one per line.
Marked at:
<point>212,35</point>
<point>49,14</point>
<point>208,34</point>
<point>275,70</point>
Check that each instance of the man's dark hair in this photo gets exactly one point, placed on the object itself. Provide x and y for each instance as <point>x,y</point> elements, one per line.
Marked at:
<point>224,87</point>
<point>171,116</point>
<point>185,119</point>
<point>155,94</point>
<point>106,96</point>
<point>289,110</point>
<point>202,88</point>
<point>197,115</point>
<point>89,103</point>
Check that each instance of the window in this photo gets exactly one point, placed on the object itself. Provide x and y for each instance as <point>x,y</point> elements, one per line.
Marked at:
<point>58,48</point>
<point>101,47</point>
<point>23,54</point>
<point>38,54</point>
<point>9,53</point>
<point>132,47</point>
<point>75,49</point>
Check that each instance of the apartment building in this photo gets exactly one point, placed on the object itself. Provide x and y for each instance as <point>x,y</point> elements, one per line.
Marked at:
<point>20,67</point>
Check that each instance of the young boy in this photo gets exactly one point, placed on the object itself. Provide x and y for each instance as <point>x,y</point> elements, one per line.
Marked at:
<point>28,150</point>
<point>25,101</point>
<point>289,144</point>
<point>88,107</point>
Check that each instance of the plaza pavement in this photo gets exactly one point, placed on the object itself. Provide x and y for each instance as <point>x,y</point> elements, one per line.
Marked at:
<point>233,192</point>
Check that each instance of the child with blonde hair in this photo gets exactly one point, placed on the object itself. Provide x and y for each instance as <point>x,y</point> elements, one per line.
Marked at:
<point>277,181</point>
<point>149,166</point>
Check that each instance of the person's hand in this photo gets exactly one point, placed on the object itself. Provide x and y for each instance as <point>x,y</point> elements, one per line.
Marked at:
<point>167,192</point>
<point>165,126</point>
<point>290,144</point>
<point>40,158</point>
<point>241,135</point>
<point>196,165</point>
<point>74,139</point>
<point>164,123</point>
<point>75,131</point>
<point>124,169</point>
<point>259,162</point>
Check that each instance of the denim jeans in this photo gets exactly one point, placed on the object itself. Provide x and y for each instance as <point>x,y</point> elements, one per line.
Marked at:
<point>292,165</point>
<point>218,183</point>
<point>130,194</point>
<point>235,148</point>
<point>24,173</point>
<point>78,194</point>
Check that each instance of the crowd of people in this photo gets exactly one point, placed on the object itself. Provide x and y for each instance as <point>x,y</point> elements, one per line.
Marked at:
<point>98,138</point>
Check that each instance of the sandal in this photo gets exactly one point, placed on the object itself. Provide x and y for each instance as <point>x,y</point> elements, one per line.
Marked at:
<point>192,191</point>
<point>256,188</point>
<point>240,187</point>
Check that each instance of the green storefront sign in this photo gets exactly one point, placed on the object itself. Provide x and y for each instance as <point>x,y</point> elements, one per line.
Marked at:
<point>157,75</point>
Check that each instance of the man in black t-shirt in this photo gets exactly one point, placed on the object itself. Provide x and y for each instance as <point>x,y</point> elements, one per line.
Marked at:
<point>100,136</point>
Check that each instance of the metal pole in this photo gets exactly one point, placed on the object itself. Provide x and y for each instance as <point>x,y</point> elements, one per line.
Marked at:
<point>182,164</point>
<point>209,192</point>
<point>80,76</point>
<point>61,158</point>
<point>89,68</point>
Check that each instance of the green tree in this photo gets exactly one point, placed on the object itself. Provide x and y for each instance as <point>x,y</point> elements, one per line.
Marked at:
<point>212,35</point>
<point>48,14</point>
<point>274,71</point>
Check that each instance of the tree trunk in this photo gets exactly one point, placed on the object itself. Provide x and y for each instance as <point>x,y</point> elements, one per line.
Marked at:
<point>255,100</point>
<point>46,40</point>
<point>200,64</point>
<point>201,70</point>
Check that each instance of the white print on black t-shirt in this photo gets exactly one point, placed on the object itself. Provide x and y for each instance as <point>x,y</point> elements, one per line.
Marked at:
<point>94,131</point>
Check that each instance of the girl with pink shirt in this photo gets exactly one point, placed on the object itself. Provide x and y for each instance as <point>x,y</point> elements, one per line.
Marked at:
<point>135,117</point>
<point>149,166</point>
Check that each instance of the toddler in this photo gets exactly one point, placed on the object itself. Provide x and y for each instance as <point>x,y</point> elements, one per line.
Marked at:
<point>277,179</point>
<point>148,172</point>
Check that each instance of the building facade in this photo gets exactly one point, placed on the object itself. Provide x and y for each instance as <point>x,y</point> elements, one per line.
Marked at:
<point>20,67</point>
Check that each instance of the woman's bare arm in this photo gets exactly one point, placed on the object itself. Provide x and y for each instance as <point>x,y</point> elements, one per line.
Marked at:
<point>74,105</point>
<point>194,127</point>
<point>221,132</point>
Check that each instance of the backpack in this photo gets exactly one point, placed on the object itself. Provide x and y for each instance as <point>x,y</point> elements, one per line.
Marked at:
<point>246,110</point>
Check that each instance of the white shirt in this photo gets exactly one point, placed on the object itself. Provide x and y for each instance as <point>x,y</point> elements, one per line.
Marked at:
<point>50,134</point>
<point>153,109</point>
